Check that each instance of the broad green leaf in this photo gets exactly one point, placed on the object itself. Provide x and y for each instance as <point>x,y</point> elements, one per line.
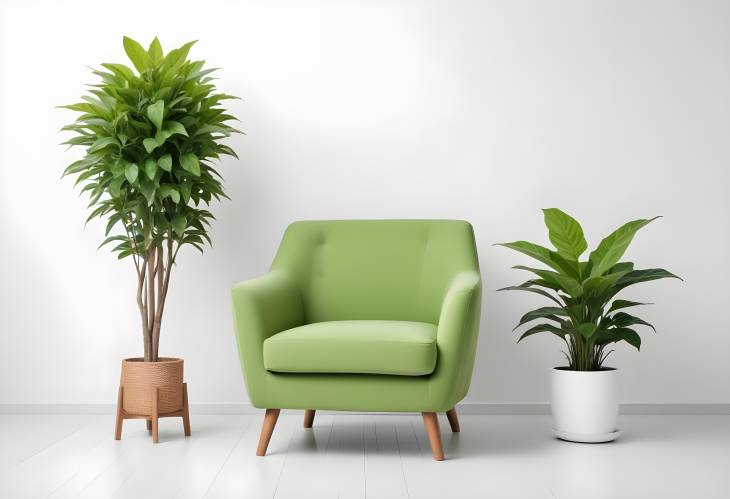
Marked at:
<point>619,304</point>
<point>567,284</point>
<point>552,313</point>
<point>586,329</point>
<point>155,51</point>
<point>565,233</point>
<point>149,144</point>
<point>137,54</point>
<point>599,286</point>
<point>544,255</point>
<point>148,191</point>
<point>130,172</point>
<point>179,223</point>
<point>150,168</point>
<point>617,334</point>
<point>190,163</point>
<point>177,57</point>
<point>540,328</point>
<point>613,246</point>
<point>185,188</point>
<point>622,320</point>
<point>167,190</point>
<point>529,289</point>
<point>101,143</point>
<point>165,162</point>
<point>116,185</point>
<point>173,127</point>
<point>155,112</point>
<point>637,276</point>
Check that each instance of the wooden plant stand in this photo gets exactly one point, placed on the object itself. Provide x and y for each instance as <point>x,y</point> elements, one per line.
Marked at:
<point>152,419</point>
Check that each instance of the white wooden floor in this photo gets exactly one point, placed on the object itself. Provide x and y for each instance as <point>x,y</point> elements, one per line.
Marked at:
<point>358,456</point>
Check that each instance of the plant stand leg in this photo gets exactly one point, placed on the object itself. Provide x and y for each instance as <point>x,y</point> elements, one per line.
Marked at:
<point>431,422</point>
<point>266,430</point>
<point>155,414</point>
<point>120,419</point>
<point>309,418</point>
<point>186,411</point>
<point>453,420</point>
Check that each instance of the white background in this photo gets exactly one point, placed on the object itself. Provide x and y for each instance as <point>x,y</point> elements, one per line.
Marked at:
<point>486,111</point>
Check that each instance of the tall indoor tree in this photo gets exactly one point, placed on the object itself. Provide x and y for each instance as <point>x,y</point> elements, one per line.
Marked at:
<point>151,138</point>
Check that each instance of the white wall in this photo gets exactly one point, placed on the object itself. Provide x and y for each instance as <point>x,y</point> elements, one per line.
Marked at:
<point>486,111</point>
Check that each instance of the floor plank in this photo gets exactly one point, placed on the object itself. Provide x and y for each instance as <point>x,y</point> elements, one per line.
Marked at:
<point>383,468</point>
<point>244,474</point>
<point>361,456</point>
<point>23,435</point>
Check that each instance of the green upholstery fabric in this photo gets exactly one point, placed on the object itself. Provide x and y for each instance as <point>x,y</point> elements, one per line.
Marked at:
<point>371,347</point>
<point>422,271</point>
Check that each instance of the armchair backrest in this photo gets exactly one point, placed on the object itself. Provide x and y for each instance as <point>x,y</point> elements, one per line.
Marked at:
<point>375,269</point>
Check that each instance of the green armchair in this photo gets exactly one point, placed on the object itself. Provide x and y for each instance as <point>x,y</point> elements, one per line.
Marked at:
<point>378,315</point>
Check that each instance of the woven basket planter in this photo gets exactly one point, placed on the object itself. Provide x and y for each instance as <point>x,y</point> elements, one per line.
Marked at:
<point>139,379</point>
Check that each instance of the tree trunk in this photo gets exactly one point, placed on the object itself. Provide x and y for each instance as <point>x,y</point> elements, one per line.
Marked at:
<point>153,281</point>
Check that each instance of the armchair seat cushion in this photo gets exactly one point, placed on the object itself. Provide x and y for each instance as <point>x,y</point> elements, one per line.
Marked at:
<point>364,346</point>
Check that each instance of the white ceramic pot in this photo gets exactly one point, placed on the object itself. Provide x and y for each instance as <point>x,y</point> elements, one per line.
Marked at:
<point>585,405</point>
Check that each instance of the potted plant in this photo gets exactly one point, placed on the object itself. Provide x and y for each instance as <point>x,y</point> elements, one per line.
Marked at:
<point>151,137</point>
<point>586,315</point>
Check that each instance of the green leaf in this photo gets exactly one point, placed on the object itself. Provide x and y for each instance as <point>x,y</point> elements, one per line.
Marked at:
<point>618,334</point>
<point>619,304</point>
<point>112,238</point>
<point>552,313</point>
<point>165,162</point>
<point>149,144</point>
<point>147,189</point>
<point>120,70</point>
<point>613,246</point>
<point>177,57</point>
<point>150,168</point>
<point>173,127</point>
<point>190,163</point>
<point>540,328</point>
<point>101,143</point>
<point>155,112</point>
<point>137,54</point>
<point>622,320</point>
<point>527,287</point>
<point>179,223</point>
<point>586,329</point>
<point>637,276</point>
<point>599,286</point>
<point>155,51</point>
<point>565,233</point>
<point>130,172</point>
<point>542,254</point>
<point>167,190</point>
<point>567,284</point>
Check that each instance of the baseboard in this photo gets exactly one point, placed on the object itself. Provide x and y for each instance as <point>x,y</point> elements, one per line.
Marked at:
<point>464,409</point>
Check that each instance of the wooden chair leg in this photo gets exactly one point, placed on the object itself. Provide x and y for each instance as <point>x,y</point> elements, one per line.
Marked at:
<point>453,420</point>
<point>431,422</point>
<point>120,420</point>
<point>309,418</point>
<point>186,411</point>
<point>155,414</point>
<point>266,430</point>
<point>149,424</point>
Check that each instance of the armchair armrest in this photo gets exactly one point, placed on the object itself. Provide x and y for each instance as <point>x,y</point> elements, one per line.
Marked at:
<point>456,338</point>
<point>262,307</point>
